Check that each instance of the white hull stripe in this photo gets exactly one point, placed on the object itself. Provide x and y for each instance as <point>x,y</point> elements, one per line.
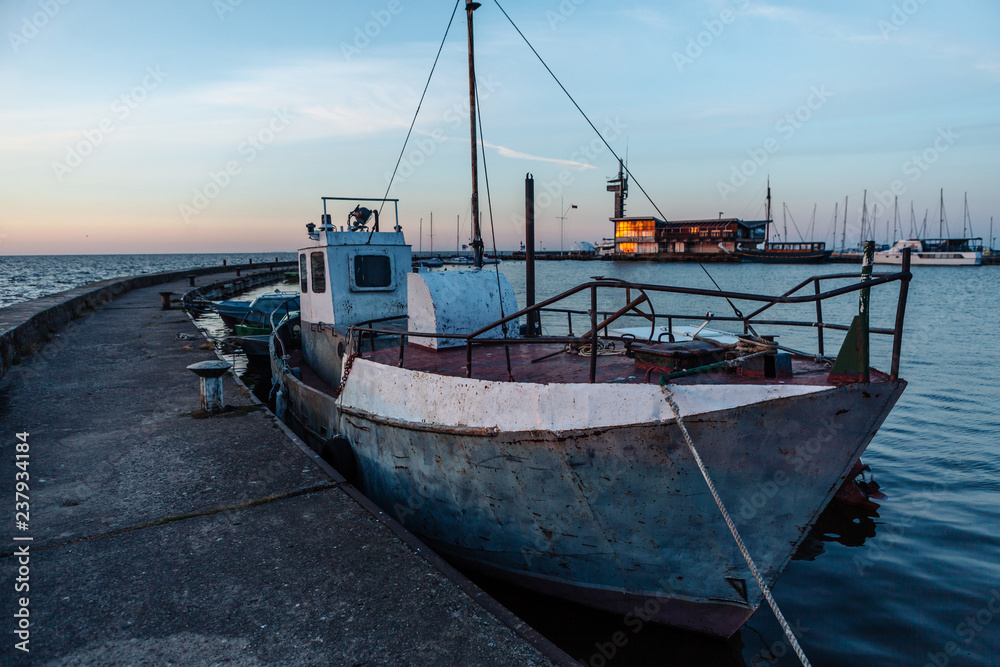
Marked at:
<point>415,396</point>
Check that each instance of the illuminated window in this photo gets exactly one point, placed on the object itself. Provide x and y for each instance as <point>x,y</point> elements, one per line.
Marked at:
<point>626,247</point>
<point>634,228</point>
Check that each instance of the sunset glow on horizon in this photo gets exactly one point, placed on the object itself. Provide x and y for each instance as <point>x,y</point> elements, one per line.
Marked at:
<point>217,125</point>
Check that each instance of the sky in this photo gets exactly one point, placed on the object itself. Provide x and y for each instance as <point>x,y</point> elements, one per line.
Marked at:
<point>217,125</point>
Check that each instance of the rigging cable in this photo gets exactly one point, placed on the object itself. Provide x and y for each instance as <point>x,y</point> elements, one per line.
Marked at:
<point>493,234</point>
<point>732,528</point>
<point>594,128</point>
<point>585,117</point>
<point>416,113</point>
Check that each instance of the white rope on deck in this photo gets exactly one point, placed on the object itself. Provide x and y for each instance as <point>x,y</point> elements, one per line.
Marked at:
<point>732,528</point>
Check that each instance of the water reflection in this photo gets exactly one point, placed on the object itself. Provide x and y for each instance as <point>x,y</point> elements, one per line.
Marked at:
<point>602,639</point>
<point>840,522</point>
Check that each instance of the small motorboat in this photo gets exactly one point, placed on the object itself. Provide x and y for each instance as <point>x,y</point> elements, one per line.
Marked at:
<point>236,312</point>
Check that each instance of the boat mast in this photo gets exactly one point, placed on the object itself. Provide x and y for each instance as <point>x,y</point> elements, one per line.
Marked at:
<point>895,220</point>
<point>477,237</point>
<point>843,234</point>
<point>965,216</point>
<point>941,216</point>
<point>784,221</point>
<point>833,246</point>
<point>767,221</point>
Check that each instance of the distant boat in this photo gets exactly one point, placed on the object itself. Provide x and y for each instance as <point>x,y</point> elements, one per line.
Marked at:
<point>936,252</point>
<point>786,253</point>
<point>805,252</point>
<point>469,261</point>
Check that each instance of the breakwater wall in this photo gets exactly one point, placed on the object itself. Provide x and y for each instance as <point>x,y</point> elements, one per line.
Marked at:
<point>25,326</point>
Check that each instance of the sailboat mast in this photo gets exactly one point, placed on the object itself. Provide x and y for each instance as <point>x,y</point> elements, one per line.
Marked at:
<point>965,215</point>
<point>843,234</point>
<point>784,221</point>
<point>477,237</point>
<point>833,245</point>
<point>941,216</point>
<point>895,221</point>
<point>767,221</point>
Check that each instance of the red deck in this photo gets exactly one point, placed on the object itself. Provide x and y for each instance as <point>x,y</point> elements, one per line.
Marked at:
<point>489,363</point>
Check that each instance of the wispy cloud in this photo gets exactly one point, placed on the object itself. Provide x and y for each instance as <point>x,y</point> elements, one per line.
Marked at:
<point>517,155</point>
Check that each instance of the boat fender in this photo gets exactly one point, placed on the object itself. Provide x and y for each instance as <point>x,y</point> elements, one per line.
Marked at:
<point>280,405</point>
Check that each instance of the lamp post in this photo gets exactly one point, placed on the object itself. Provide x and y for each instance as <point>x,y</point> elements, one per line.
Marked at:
<point>562,221</point>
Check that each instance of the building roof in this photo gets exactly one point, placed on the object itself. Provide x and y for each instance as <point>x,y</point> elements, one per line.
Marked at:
<point>708,222</point>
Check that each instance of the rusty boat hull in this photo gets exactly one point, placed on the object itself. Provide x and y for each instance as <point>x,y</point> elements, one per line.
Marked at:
<point>588,492</point>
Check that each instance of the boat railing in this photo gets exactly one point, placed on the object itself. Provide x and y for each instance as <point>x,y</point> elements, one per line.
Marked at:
<point>632,308</point>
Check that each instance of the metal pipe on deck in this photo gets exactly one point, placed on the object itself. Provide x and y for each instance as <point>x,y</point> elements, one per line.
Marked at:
<point>897,338</point>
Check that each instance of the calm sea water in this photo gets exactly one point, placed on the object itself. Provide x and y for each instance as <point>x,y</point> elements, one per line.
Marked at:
<point>917,583</point>
<point>24,277</point>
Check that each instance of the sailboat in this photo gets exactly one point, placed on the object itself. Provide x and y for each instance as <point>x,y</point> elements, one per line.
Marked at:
<point>805,252</point>
<point>964,251</point>
<point>578,466</point>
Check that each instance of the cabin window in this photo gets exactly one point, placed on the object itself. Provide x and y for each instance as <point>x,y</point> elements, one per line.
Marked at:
<point>303,274</point>
<point>372,272</point>
<point>318,272</point>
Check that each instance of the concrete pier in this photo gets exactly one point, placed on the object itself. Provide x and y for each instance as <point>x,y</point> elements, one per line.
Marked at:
<point>162,535</point>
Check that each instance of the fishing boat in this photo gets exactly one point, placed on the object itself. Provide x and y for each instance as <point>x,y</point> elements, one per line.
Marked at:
<point>804,252</point>
<point>580,466</point>
<point>934,252</point>
<point>258,310</point>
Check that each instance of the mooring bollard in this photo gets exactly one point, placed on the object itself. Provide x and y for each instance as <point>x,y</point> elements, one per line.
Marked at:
<point>237,273</point>
<point>191,280</point>
<point>165,300</point>
<point>211,373</point>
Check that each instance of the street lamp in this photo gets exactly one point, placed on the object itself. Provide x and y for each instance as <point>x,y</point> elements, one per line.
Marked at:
<point>562,221</point>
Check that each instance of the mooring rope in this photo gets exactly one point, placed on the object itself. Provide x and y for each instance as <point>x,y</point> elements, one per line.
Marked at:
<point>732,528</point>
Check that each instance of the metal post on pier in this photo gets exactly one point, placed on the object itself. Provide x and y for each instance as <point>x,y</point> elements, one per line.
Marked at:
<point>211,373</point>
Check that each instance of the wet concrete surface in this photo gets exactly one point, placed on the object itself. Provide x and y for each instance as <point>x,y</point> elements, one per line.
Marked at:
<point>160,535</point>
